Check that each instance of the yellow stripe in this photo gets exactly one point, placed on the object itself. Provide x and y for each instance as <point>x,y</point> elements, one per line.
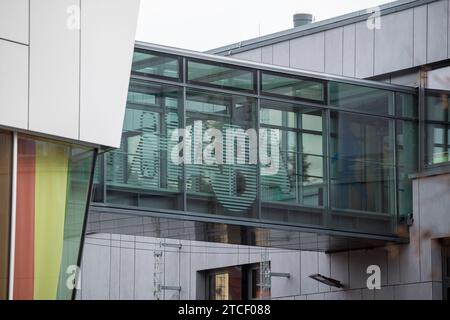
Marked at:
<point>52,163</point>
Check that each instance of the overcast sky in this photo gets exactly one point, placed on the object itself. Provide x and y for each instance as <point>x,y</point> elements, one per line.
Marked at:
<point>207,24</point>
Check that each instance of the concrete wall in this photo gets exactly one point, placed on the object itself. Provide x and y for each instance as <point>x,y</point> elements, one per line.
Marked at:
<point>65,65</point>
<point>406,39</point>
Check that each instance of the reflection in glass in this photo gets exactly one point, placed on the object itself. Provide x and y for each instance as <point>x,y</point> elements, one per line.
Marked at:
<point>407,163</point>
<point>362,99</point>
<point>53,183</point>
<point>406,105</point>
<point>362,162</point>
<point>141,172</point>
<point>5,207</point>
<point>299,178</point>
<point>437,127</point>
<point>155,64</point>
<point>227,185</point>
<point>292,87</point>
<point>221,75</point>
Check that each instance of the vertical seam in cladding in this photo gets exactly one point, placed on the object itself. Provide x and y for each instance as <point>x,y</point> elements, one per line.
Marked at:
<point>324,51</point>
<point>300,266</point>
<point>373,50</point>
<point>289,53</point>
<point>413,55</point>
<point>354,50</point>
<point>110,262</point>
<point>426,36</point>
<point>342,50</point>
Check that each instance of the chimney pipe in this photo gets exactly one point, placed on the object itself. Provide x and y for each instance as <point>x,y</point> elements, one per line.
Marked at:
<point>301,19</point>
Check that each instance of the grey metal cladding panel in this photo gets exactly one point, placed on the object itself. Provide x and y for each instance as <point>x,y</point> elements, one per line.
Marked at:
<point>267,55</point>
<point>348,61</point>
<point>14,19</point>
<point>54,69</point>
<point>13,84</point>
<point>364,50</point>
<point>252,55</point>
<point>127,270</point>
<point>420,35</point>
<point>108,30</point>
<point>394,42</point>
<point>437,31</point>
<point>309,265</point>
<point>281,54</point>
<point>334,51</point>
<point>308,53</point>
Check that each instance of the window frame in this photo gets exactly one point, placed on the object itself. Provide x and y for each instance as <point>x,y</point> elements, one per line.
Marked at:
<point>295,77</point>
<point>224,65</point>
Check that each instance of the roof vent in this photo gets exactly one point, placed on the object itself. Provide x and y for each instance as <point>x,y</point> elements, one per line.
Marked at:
<point>301,19</point>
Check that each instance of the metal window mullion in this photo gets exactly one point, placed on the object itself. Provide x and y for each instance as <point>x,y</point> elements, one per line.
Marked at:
<point>327,171</point>
<point>183,126</point>
<point>258,162</point>
<point>422,127</point>
<point>396,176</point>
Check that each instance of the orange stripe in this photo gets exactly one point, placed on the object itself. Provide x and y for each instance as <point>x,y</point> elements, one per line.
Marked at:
<point>25,220</point>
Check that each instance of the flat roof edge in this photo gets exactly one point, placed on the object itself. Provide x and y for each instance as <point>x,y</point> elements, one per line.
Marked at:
<point>315,27</point>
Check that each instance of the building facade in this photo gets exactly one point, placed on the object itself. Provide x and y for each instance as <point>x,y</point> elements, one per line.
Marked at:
<point>58,110</point>
<point>363,169</point>
<point>292,166</point>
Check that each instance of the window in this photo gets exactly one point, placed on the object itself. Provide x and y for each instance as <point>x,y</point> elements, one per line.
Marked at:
<point>53,184</point>
<point>407,162</point>
<point>141,172</point>
<point>147,63</point>
<point>5,207</point>
<point>244,282</point>
<point>295,174</point>
<point>292,87</point>
<point>220,75</point>
<point>362,163</point>
<point>406,105</point>
<point>446,269</point>
<point>221,168</point>
<point>362,99</point>
<point>437,127</point>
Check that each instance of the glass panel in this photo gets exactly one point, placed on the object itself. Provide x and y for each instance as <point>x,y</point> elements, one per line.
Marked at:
<point>407,163</point>
<point>278,118</point>
<point>312,144</point>
<point>295,174</point>
<point>312,121</point>
<point>292,87</point>
<point>141,172</point>
<point>5,209</point>
<point>80,169</point>
<point>362,160</point>
<point>362,99</point>
<point>437,127</point>
<point>53,182</point>
<point>221,75</point>
<point>98,187</point>
<point>437,106</point>
<point>221,154</point>
<point>155,64</point>
<point>406,105</point>
<point>226,284</point>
